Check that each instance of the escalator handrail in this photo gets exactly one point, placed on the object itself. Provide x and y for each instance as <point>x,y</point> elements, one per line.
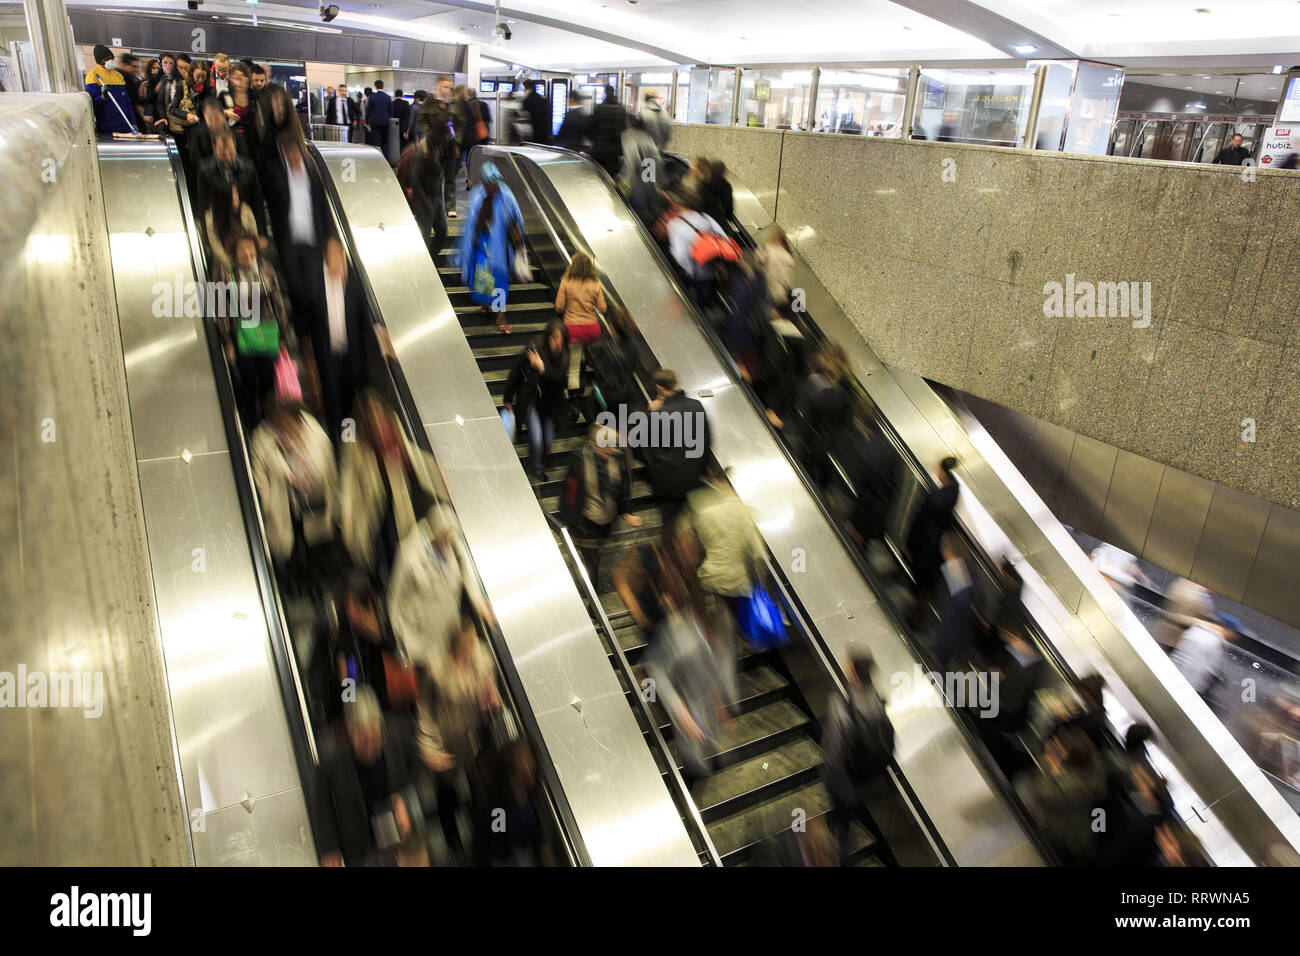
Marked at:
<point>290,681</point>
<point>976,747</point>
<point>679,783</point>
<point>566,822</point>
<point>798,617</point>
<point>579,572</point>
<point>808,630</point>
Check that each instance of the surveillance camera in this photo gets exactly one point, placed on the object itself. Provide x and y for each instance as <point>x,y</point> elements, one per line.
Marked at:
<point>194,4</point>
<point>503,30</point>
<point>329,13</point>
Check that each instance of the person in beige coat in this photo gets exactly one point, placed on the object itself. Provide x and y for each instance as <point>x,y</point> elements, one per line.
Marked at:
<point>385,480</point>
<point>296,480</point>
<point>432,579</point>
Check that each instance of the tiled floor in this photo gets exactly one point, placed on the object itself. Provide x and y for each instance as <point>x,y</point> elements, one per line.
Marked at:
<point>75,586</point>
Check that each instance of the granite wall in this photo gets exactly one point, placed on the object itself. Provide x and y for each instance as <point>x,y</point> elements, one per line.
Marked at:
<point>941,254</point>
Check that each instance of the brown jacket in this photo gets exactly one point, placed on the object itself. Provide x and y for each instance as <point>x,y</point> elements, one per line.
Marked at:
<point>579,302</point>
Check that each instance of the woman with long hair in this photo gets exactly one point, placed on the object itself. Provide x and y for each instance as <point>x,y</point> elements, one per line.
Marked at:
<point>579,301</point>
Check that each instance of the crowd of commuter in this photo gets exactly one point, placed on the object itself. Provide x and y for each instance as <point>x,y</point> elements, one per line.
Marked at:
<point>402,687</point>
<point>357,525</point>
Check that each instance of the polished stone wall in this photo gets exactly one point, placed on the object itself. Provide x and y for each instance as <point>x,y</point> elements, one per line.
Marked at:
<point>940,254</point>
<point>77,589</point>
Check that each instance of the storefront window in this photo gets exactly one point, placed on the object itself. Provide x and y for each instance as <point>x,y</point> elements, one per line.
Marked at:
<point>722,91</point>
<point>775,99</point>
<point>868,102</point>
<point>974,106</point>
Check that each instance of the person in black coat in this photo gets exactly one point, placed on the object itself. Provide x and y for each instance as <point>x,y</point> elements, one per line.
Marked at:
<point>538,109</point>
<point>1234,154</point>
<point>932,521</point>
<point>225,168</point>
<point>537,391</point>
<point>573,131</point>
<point>342,110</point>
<point>402,117</point>
<point>301,232</point>
<point>676,469</point>
<point>335,325</point>
<point>379,113</point>
<point>608,120</point>
<point>360,810</point>
<point>872,466</point>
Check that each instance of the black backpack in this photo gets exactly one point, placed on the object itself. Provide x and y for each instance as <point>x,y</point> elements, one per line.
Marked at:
<point>869,744</point>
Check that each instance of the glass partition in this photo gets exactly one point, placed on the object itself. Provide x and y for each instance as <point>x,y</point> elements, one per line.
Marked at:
<point>866,102</point>
<point>722,91</point>
<point>1092,108</point>
<point>974,106</point>
<point>775,99</point>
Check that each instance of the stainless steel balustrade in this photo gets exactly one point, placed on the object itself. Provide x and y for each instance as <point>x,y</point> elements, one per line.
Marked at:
<point>239,775</point>
<point>618,801</point>
<point>971,818</point>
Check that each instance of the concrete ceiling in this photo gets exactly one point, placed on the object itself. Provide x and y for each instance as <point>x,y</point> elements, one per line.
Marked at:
<point>583,34</point>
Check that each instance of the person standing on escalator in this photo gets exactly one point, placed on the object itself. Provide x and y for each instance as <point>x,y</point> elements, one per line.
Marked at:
<point>535,392</point>
<point>596,492</point>
<point>580,301</point>
<point>491,244</point>
<point>933,519</point>
<point>858,746</point>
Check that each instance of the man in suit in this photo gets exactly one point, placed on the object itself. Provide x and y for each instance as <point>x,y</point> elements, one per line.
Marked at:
<point>402,117</point>
<point>334,331</point>
<point>300,220</point>
<point>379,113</point>
<point>341,110</point>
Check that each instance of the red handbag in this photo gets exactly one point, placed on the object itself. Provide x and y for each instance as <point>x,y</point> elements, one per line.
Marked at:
<point>710,246</point>
<point>400,682</point>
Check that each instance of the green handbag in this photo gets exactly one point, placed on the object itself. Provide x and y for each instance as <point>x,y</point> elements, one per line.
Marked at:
<point>262,338</point>
<point>484,282</point>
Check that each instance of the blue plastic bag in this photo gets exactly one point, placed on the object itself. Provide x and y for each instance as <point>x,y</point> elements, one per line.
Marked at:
<point>508,419</point>
<point>759,619</point>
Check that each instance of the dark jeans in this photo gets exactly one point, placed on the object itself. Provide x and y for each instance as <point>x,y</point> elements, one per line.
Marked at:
<point>337,388</point>
<point>430,213</point>
<point>541,435</point>
<point>450,163</point>
<point>255,376</point>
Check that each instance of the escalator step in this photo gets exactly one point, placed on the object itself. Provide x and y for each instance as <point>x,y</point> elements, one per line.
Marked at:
<point>742,831</point>
<point>757,779</point>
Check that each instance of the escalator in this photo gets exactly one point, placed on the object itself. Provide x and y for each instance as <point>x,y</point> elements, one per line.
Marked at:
<point>766,769</point>
<point>1074,620</point>
<point>296,625</point>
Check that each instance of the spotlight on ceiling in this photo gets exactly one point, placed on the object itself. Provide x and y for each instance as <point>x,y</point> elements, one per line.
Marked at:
<point>329,13</point>
<point>1024,49</point>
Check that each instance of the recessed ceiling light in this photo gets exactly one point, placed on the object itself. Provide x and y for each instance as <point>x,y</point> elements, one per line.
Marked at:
<point>1025,48</point>
<point>907,28</point>
<point>1202,9</point>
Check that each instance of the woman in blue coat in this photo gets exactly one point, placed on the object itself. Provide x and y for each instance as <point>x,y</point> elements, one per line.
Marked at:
<point>488,248</point>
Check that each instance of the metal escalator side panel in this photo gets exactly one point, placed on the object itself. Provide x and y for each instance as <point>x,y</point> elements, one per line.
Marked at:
<point>973,821</point>
<point>1229,804</point>
<point>232,734</point>
<point>617,799</point>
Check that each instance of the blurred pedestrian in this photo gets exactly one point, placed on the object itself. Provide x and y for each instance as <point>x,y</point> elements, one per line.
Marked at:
<point>492,243</point>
